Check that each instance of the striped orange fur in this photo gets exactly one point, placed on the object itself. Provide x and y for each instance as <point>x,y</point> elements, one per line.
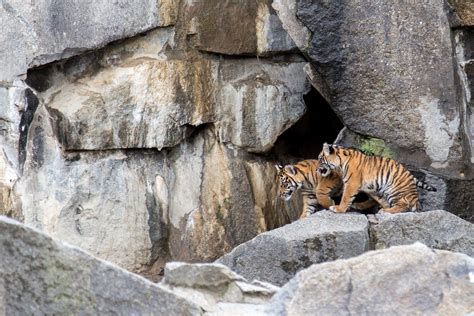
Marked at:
<point>316,189</point>
<point>382,178</point>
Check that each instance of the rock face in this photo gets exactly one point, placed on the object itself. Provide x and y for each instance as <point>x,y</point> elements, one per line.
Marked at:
<point>138,208</point>
<point>404,280</point>
<point>436,229</point>
<point>143,151</point>
<point>462,13</point>
<point>39,275</point>
<point>258,31</point>
<point>40,32</point>
<point>378,63</point>
<point>373,72</point>
<point>277,255</point>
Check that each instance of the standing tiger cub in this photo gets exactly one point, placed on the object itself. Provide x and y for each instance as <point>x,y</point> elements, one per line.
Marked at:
<point>316,188</point>
<point>382,178</point>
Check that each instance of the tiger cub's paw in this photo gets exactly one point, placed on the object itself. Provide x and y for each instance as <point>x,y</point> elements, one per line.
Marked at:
<point>336,209</point>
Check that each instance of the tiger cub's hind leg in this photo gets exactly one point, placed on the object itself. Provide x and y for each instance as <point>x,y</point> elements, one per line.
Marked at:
<point>364,205</point>
<point>393,210</point>
<point>403,205</point>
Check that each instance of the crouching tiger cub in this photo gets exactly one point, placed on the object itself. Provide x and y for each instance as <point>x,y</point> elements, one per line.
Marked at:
<point>382,178</point>
<point>316,188</point>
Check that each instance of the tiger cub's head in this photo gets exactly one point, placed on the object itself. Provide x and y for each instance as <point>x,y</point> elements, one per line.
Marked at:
<point>290,179</point>
<point>328,159</point>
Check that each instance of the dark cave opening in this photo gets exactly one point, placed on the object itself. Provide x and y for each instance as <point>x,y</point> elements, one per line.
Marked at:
<point>304,140</point>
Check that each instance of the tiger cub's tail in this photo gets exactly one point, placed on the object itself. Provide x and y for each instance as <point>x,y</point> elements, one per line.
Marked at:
<point>424,185</point>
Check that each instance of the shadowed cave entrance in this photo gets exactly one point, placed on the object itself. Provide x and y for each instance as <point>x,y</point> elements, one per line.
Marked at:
<point>304,140</point>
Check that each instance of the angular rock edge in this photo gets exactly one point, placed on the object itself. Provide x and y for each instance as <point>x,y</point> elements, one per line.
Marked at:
<point>402,280</point>
<point>41,275</point>
<point>276,256</point>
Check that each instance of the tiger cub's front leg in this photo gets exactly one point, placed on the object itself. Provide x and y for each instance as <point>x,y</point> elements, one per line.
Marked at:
<point>351,189</point>
<point>310,205</point>
<point>324,199</point>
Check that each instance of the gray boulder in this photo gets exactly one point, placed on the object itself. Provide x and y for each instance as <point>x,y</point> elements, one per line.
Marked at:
<point>390,76</point>
<point>436,229</point>
<point>276,256</point>
<point>405,280</point>
<point>41,276</point>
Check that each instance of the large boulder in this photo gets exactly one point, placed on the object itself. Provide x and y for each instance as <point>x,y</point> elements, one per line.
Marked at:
<point>436,229</point>
<point>390,73</point>
<point>276,256</point>
<point>259,100</point>
<point>41,276</point>
<point>373,69</point>
<point>405,280</point>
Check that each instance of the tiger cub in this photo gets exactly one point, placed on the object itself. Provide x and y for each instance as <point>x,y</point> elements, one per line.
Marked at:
<point>382,178</point>
<point>316,188</point>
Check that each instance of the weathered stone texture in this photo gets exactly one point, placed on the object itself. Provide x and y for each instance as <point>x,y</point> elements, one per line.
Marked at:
<point>379,72</point>
<point>41,276</point>
<point>246,27</point>
<point>389,71</point>
<point>435,229</point>
<point>216,289</point>
<point>39,32</point>
<point>259,101</point>
<point>193,202</point>
<point>286,10</point>
<point>134,96</point>
<point>403,280</point>
<point>463,13</point>
<point>276,256</point>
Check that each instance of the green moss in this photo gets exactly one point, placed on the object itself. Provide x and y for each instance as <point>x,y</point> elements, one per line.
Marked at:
<point>220,214</point>
<point>375,147</point>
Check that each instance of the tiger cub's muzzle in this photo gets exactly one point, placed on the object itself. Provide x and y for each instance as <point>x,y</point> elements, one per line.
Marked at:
<point>324,170</point>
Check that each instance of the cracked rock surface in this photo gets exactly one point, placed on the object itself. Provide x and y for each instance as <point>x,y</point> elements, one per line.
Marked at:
<point>404,280</point>
<point>41,275</point>
<point>277,255</point>
<point>436,229</point>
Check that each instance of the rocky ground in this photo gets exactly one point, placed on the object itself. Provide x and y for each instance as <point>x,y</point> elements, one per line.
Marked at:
<point>326,264</point>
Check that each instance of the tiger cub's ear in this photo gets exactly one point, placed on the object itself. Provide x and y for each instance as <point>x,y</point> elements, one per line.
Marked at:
<point>290,170</point>
<point>327,149</point>
<point>278,167</point>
